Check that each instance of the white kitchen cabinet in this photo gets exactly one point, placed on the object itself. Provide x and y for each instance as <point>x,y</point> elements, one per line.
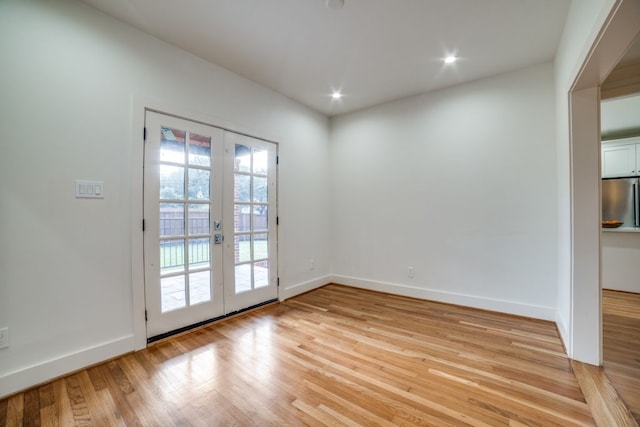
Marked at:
<point>620,254</point>
<point>621,157</point>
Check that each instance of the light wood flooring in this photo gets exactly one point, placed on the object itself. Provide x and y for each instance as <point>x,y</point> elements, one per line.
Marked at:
<point>334,356</point>
<point>621,345</point>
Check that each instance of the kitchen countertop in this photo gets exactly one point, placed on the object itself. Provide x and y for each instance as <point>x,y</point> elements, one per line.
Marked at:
<point>622,230</point>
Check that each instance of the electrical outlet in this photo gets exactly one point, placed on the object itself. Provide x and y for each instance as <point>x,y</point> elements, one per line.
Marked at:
<point>411,272</point>
<point>4,337</point>
<point>312,264</point>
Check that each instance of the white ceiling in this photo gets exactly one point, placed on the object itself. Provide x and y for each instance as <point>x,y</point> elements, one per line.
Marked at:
<point>373,50</point>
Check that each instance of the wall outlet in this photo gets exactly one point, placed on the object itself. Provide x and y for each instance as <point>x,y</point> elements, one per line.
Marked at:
<point>312,264</point>
<point>4,337</point>
<point>411,272</point>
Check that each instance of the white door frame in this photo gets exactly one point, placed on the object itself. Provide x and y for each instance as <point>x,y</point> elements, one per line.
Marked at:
<point>139,106</point>
<point>585,329</point>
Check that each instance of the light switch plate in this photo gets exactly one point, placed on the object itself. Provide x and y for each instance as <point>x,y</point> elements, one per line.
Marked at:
<point>89,189</point>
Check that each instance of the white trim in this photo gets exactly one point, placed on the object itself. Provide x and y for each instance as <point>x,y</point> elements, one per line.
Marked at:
<point>301,288</point>
<point>585,210</point>
<point>137,238</point>
<point>565,333</point>
<point>29,376</point>
<point>509,307</point>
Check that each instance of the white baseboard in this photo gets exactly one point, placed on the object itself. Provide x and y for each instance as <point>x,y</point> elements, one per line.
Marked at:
<point>629,286</point>
<point>27,377</point>
<point>301,288</point>
<point>527,310</point>
<point>563,330</point>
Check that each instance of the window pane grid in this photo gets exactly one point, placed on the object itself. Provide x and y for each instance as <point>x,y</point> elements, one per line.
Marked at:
<point>185,170</point>
<point>251,218</point>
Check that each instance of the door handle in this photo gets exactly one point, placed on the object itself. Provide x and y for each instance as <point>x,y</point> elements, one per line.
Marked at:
<point>218,239</point>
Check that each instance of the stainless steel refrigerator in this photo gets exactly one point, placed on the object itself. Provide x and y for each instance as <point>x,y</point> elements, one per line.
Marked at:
<point>620,201</point>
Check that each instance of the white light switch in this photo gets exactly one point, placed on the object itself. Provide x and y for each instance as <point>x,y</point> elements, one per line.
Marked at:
<point>89,189</point>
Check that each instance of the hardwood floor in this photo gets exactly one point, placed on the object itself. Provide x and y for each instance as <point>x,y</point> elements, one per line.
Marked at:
<point>621,345</point>
<point>607,408</point>
<point>334,356</point>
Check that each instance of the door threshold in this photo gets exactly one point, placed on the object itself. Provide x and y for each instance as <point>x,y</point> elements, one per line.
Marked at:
<point>188,328</point>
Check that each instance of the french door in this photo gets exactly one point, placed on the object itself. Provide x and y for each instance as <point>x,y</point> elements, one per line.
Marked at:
<point>209,219</point>
<point>250,202</point>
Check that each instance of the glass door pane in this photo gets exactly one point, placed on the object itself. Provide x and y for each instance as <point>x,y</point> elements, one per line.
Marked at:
<point>250,214</point>
<point>188,257</point>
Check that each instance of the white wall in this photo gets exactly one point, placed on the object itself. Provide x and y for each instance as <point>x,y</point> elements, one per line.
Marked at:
<point>459,184</point>
<point>67,80</point>
<point>620,255</point>
<point>584,20</point>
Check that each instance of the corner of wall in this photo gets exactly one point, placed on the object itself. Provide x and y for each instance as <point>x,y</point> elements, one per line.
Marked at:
<point>301,288</point>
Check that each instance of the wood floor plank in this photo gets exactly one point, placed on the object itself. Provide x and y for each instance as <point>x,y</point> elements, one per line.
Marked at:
<point>151,391</point>
<point>621,345</point>
<point>32,408</point>
<point>334,356</point>
<point>101,407</point>
<point>3,411</point>
<point>15,410</point>
<point>124,410</point>
<point>79,405</point>
<point>46,396</point>
<point>59,412</point>
<point>607,408</point>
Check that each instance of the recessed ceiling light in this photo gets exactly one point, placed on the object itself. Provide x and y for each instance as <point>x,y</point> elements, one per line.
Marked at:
<point>450,59</point>
<point>336,95</point>
<point>334,4</point>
